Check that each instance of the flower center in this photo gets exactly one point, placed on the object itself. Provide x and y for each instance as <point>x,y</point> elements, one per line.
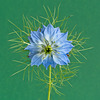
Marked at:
<point>48,49</point>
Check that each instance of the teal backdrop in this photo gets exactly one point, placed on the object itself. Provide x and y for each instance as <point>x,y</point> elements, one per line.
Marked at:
<point>86,86</point>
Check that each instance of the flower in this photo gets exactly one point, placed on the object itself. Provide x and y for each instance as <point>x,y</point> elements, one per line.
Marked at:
<point>48,46</point>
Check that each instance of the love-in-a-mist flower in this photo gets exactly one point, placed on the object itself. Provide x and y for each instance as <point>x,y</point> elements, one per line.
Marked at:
<point>48,46</point>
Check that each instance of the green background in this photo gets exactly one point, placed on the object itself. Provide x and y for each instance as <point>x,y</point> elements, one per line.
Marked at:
<point>86,86</point>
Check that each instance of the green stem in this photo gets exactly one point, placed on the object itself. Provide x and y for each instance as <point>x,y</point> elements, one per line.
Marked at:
<point>49,90</point>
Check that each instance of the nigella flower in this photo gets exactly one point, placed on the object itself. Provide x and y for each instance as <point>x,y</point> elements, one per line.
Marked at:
<point>49,46</point>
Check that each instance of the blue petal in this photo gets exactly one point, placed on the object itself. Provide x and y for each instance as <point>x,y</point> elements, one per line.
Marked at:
<point>64,50</point>
<point>31,55</point>
<point>49,61</point>
<point>61,59</point>
<point>49,32</point>
<point>37,37</point>
<point>57,30</point>
<point>33,48</point>
<point>37,59</point>
<point>55,34</point>
<point>70,41</point>
<point>61,37</point>
<point>64,47</point>
<point>43,29</point>
<point>64,42</point>
<point>30,39</point>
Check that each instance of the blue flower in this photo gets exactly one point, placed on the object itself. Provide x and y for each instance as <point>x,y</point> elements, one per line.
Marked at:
<point>49,46</point>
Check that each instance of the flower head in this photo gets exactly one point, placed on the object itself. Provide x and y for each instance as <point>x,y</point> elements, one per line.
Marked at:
<point>49,46</point>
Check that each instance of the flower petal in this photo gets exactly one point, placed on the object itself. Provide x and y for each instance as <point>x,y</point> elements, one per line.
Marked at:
<point>30,39</point>
<point>31,55</point>
<point>49,31</point>
<point>61,37</point>
<point>37,37</point>
<point>61,59</point>
<point>49,61</point>
<point>57,30</point>
<point>37,59</point>
<point>33,48</point>
<point>55,34</point>
<point>64,47</point>
<point>43,29</point>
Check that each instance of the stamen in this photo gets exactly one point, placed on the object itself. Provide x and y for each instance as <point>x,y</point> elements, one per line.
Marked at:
<point>48,49</point>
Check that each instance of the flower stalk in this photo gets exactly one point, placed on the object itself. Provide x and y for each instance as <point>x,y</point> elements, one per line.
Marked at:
<point>49,90</point>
